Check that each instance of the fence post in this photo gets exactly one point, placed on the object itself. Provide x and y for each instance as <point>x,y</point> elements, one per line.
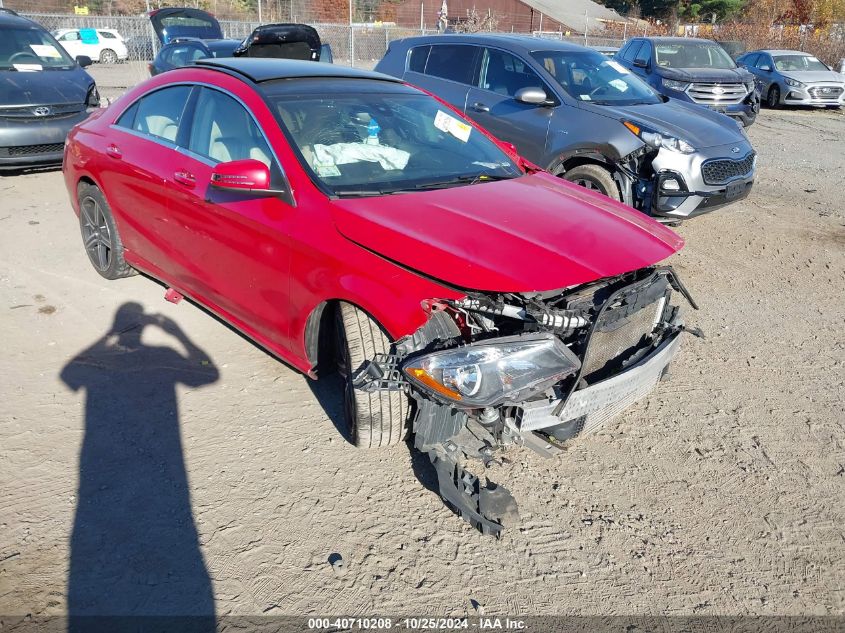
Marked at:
<point>586,26</point>
<point>351,38</point>
<point>422,18</point>
<point>624,31</point>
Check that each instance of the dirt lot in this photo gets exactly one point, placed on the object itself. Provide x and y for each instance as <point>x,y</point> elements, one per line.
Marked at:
<point>722,493</point>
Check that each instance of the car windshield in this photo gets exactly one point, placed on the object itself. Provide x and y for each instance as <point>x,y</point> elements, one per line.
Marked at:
<point>380,143</point>
<point>26,49</point>
<point>590,76</point>
<point>786,63</point>
<point>692,55</point>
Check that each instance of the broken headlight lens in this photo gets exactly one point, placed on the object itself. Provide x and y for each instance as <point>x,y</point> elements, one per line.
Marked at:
<point>488,373</point>
<point>658,140</point>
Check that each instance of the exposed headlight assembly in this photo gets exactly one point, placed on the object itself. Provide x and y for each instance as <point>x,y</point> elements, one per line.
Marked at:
<point>793,82</point>
<point>673,84</point>
<point>488,373</point>
<point>749,86</point>
<point>93,98</point>
<point>658,140</point>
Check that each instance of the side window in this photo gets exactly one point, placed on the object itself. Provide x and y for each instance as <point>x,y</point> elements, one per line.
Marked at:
<point>127,119</point>
<point>107,35</point>
<point>632,50</point>
<point>764,60</point>
<point>71,36</point>
<point>506,74</point>
<point>644,54</point>
<point>160,112</point>
<point>418,58</point>
<point>452,61</point>
<point>223,130</point>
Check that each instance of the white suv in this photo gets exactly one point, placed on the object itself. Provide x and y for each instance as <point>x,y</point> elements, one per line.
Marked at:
<point>103,45</point>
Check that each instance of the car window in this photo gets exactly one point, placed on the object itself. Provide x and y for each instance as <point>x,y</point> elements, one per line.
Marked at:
<point>764,60</point>
<point>644,54</point>
<point>692,54</point>
<point>452,61</point>
<point>223,130</point>
<point>798,63</point>
<point>506,74</point>
<point>160,112</point>
<point>183,54</point>
<point>374,143</point>
<point>70,36</point>
<point>107,35</point>
<point>749,60</point>
<point>418,58</point>
<point>31,49</point>
<point>631,51</point>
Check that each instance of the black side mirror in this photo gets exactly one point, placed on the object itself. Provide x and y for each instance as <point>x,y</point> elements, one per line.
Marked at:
<point>641,63</point>
<point>83,60</point>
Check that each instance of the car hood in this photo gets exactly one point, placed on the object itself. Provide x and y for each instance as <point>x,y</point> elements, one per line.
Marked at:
<point>699,126</point>
<point>813,76</point>
<point>706,75</point>
<point>44,87</point>
<point>531,233</point>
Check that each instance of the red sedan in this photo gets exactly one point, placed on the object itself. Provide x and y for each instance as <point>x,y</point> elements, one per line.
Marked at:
<point>345,220</point>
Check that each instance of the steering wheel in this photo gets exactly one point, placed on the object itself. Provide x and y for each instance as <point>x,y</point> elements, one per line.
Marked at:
<point>25,54</point>
<point>598,90</point>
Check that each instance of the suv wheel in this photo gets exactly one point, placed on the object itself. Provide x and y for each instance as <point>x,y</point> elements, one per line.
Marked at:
<point>99,234</point>
<point>773,98</point>
<point>376,419</point>
<point>108,56</point>
<point>595,178</point>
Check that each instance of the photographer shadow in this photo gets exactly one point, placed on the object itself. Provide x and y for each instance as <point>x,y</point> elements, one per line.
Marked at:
<point>134,548</point>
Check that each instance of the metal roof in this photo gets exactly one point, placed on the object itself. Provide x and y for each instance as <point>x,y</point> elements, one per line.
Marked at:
<point>573,13</point>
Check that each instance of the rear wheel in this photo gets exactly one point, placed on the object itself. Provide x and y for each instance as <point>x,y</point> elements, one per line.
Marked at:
<point>108,56</point>
<point>595,178</point>
<point>376,419</point>
<point>99,234</point>
<point>773,97</point>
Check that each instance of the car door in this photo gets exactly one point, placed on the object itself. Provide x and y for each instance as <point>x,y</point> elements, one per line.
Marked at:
<point>493,105</point>
<point>235,245</point>
<point>72,43</point>
<point>139,152</point>
<point>447,70</point>
<point>643,63</point>
<point>764,77</point>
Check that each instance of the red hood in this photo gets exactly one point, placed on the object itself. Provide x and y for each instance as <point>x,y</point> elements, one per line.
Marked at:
<point>531,233</point>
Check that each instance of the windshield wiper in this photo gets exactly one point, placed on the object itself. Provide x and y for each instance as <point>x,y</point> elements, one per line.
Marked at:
<point>469,179</point>
<point>361,193</point>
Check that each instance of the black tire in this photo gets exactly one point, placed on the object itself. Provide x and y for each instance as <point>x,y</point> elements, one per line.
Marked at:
<point>108,56</point>
<point>773,97</point>
<point>595,178</point>
<point>376,419</point>
<point>99,234</point>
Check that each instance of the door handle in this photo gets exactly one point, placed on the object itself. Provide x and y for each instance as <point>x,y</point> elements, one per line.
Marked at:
<point>480,107</point>
<point>185,178</point>
<point>114,151</point>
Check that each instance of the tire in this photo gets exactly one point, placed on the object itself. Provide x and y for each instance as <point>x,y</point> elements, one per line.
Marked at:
<point>595,178</point>
<point>108,56</point>
<point>99,234</point>
<point>773,97</point>
<point>376,419</point>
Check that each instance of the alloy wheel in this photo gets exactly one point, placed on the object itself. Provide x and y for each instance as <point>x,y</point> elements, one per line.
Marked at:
<point>96,234</point>
<point>774,97</point>
<point>108,57</point>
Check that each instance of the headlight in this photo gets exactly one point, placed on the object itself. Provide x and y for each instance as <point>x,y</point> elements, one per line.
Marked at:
<point>489,373</point>
<point>794,83</point>
<point>680,86</point>
<point>749,86</point>
<point>93,98</point>
<point>658,140</point>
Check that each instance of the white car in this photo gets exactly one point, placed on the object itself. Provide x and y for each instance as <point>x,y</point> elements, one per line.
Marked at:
<point>103,45</point>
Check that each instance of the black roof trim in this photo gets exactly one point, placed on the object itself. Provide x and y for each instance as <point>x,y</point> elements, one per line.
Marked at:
<point>262,69</point>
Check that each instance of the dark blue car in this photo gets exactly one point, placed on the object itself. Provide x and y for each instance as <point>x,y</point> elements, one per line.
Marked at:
<point>694,70</point>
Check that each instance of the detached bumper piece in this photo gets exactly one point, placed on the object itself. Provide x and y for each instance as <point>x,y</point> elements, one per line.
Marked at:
<point>612,342</point>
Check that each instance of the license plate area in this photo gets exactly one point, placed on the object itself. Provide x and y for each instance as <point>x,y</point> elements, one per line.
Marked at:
<point>734,190</point>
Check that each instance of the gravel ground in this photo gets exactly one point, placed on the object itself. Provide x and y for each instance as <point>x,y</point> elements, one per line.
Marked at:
<point>212,472</point>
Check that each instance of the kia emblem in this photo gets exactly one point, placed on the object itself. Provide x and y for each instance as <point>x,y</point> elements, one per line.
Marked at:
<point>41,111</point>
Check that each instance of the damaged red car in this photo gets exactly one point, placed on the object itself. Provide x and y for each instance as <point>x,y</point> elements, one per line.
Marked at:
<point>346,221</point>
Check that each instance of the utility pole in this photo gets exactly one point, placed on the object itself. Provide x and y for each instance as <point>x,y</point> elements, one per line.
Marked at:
<point>351,37</point>
<point>586,26</point>
<point>259,11</point>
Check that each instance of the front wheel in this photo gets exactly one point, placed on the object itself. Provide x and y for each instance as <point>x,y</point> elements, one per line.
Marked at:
<point>595,178</point>
<point>108,56</point>
<point>376,418</point>
<point>773,97</point>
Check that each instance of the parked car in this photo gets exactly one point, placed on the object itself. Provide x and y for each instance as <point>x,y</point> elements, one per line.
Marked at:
<point>693,70</point>
<point>43,94</point>
<point>585,118</point>
<point>103,45</point>
<point>794,78</point>
<point>187,35</point>
<point>345,220</point>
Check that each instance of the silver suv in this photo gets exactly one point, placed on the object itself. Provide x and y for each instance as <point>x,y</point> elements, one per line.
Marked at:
<point>586,118</point>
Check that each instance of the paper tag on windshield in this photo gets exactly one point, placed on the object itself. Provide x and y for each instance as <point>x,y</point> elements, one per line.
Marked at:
<point>327,170</point>
<point>620,85</point>
<point>453,126</point>
<point>28,68</point>
<point>45,50</point>
<point>617,66</point>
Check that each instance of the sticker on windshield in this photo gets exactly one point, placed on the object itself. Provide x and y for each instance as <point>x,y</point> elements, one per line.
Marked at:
<point>585,97</point>
<point>327,170</point>
<point>620,85</point>
<point>28,68</point>
<point>45,50</point>
<point>453,126</point>
<point>617,66</point>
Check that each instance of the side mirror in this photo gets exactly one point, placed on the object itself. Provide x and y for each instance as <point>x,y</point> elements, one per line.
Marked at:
<point>641,63</point>
<point>533,96</point>
<point>766,68</point>
<point>83,60</point>
<point>242,175</point>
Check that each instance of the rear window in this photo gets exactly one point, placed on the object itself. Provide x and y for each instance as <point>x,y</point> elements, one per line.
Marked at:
<point>453,62</point>
<point>418,58</point>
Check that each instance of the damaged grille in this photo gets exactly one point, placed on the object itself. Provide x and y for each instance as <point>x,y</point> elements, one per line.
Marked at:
<point>31,150</point>
<point>722,170</point>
